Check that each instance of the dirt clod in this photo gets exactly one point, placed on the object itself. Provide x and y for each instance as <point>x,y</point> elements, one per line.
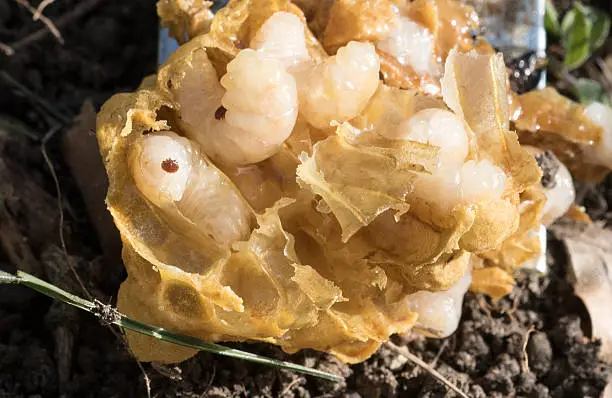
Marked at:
<point>539,352</point>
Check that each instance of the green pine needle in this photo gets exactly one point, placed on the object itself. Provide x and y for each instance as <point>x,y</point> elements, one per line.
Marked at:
<point>108,314</point>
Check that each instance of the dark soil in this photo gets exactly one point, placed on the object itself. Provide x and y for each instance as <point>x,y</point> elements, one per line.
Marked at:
<point>532,343</point>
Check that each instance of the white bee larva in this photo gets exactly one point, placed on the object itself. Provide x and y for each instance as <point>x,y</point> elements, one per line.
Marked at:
<point>560,192</point>
<point>246,117</point>
<point>601,152</point>
<point>437,127</point>
<point>282,37</point>
<point>261,100</point>
<point>174,177</point>
<point>440,312</point>
<point>481,179</point>
<point>453,182</point>
<point>161,166</point>
<point>410,43</point>
<point>449,186</point>
<point>338,88</point>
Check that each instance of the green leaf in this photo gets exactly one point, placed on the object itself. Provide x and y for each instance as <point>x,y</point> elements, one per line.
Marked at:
<point>576,36</point>
<point>601,27</point>
<point>551,19</point>
<point>589,91</point>
<point>584,29</point>
<point>5,277</point>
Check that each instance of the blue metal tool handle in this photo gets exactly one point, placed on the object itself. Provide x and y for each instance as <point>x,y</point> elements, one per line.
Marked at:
<point>167,45</point>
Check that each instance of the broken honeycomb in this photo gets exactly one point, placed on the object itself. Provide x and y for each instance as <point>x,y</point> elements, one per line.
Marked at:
<point>324,241</point>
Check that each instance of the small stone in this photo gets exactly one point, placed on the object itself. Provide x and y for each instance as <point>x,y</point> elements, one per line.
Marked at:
<point>473,343</point>
<point>398,362</point>
<point>465,362</point>
<point>526,383</point>
<point>540,391</point>
<point>539,352</point>
<point>477,391</point>
<point>506,365</point>
<point>567,332</point>
<point>499,382</point>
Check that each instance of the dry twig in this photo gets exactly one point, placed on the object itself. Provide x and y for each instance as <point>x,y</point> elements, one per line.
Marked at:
<point>290,386</point>
<point>515,301</point>
<point>439,354</point>
<point>485,307</point>
<point>434,361</point>
<point>212,378</point>
<point>48,23</point>
<point>6,49</point>
<point>43,149</point>
<point>41,7</point>
<point>413,358</point>
<point>82,8</point>
<point>525,363</point>
<point>605,69</point>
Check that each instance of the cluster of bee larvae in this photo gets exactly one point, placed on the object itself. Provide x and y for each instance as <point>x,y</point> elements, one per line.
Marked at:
<point>298,175</point>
